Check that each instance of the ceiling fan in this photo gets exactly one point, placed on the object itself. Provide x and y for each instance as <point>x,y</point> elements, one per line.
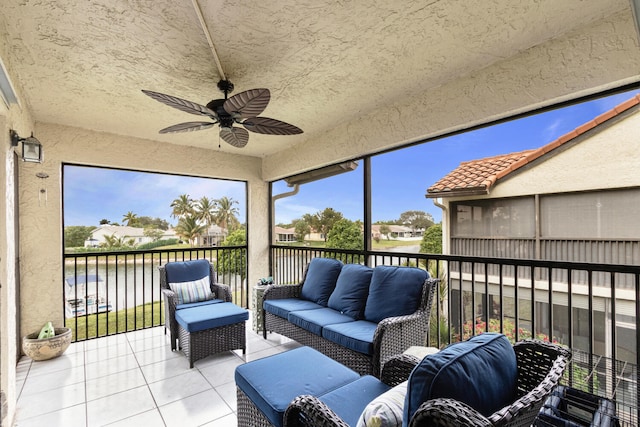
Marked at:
<point>241,109</point>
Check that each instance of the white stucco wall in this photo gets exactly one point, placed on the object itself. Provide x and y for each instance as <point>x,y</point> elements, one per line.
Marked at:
<point>607,160</point>
<point>18,118</point>
<point>41,225</point>
<point>603,55</point>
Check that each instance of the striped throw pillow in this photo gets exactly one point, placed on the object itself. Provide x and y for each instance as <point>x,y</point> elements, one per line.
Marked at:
<point>385,410</point>
<point>193,291</point>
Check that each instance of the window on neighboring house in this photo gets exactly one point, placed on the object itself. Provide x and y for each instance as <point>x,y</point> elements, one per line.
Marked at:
<point>513,217</point>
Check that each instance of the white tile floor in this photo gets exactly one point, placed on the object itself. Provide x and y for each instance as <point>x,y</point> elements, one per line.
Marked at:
<point>134,379</point>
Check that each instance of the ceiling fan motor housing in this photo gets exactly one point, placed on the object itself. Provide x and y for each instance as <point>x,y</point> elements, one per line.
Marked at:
<point>225,119</point>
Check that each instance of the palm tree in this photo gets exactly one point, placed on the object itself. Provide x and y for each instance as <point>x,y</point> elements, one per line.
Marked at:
<point>182,206</point>
<point>205,212</point>
<point>130,218</point>
<point>188,229</point>
<point>226,213</point>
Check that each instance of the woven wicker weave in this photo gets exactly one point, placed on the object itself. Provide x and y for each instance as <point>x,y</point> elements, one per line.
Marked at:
<point>248,414</point>
<point>393,336</point>
<point>540,367</point>
<point>201,344</point>
<point>220,291</point>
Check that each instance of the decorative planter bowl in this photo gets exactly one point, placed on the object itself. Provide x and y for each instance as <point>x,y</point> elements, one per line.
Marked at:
<point>46,348</point>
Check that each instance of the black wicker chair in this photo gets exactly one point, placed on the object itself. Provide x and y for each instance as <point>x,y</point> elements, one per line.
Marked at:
<point>540,367</point>
<point>221,291</point>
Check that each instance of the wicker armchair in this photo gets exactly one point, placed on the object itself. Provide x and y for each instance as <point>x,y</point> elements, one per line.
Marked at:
<point>221,292</point>
<point>392,336</point>
<point>540,367</point>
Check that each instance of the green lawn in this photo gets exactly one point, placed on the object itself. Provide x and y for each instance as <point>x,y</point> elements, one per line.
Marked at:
<point>93,326</point>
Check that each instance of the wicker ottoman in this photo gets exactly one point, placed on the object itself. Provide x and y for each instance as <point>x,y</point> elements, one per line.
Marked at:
<point>211,329</point>
<point>265,387</point>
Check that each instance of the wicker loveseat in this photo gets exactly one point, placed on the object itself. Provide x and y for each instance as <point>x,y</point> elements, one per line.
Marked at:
<point>481,382</point>
<point>356,315</point>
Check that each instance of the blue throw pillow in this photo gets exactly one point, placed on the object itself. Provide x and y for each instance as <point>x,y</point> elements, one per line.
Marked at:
<point>394,291</point>
<point>320,280</point>
<point>481,372</point>
<point>351,290</point>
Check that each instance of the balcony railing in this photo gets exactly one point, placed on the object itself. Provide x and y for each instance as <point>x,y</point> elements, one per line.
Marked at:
<point>106,293</point>
<point>591,308</point>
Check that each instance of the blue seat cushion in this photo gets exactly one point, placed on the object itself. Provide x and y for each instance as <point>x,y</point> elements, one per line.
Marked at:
<point>197,304</point>
<point>282,307</point>
<point>481,372</point>
<point>274,381</point>
<point>314,320</point>
<point>210,316</point>
<point>187,271</point>
<point>394,291</point>
<point>350,400</point>
<point>320,280</point>
<point>352,289</point>
<point>357,336</point>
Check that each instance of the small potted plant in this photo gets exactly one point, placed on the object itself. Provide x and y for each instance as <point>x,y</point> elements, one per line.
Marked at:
<point>50,342</point>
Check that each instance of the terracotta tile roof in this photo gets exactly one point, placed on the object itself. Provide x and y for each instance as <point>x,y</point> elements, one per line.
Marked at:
<point>477,176</point>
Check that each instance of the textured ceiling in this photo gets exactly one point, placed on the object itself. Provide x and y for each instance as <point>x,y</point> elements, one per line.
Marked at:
<point>83,63</point>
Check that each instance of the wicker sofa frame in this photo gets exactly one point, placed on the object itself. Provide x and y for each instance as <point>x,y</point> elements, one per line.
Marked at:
<point>540,368</point>
<point>393,335</point>
<point>220,290</point>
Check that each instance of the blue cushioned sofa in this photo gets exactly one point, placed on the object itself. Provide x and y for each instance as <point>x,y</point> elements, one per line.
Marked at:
<point>484,381</point>
<point>357,315</point>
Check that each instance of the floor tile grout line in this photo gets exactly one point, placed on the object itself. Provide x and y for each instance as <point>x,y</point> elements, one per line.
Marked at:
<point>146,381</point>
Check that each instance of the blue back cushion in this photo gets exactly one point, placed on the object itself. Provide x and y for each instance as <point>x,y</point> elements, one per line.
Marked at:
<point>352,289</point>
<point>481,372</point>
<point>186,271</point>
<point>394,291</point>
<point>322,274</point>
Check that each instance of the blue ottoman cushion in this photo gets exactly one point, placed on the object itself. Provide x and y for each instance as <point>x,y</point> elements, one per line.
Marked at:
<point>357,336</point>
<point>320,280</point>
<point>273,382</point>
<point>394,291</point>
<point>350,400</point>
<point>211,316</point>
<point>282,307</point>
<point>315,320</point>
<point>481,372</point>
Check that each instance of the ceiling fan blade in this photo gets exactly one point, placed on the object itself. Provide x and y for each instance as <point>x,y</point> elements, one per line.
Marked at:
<point>247,104</point>
<point>270,126</point>
<point>237,137</point>
<point>181,104</point>
<point>187,127</point>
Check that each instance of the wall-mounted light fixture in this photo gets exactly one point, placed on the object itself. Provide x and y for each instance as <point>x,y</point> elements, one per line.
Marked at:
<point>31,147</point>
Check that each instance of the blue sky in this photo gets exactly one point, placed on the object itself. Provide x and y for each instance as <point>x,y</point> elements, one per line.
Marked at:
<point>91,194</point>
<point>399,179</point>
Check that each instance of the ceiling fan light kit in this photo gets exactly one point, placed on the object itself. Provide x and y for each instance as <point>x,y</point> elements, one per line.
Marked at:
<point>242,109</point>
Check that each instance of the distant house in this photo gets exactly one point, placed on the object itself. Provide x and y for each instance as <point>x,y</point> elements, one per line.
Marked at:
<point>398,232</point>
<point>99,235</point>
<point>213,236</point>
<point>285,234</point>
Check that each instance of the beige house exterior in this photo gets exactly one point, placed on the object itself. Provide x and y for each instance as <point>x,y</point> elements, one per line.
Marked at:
<point>559,61</point>
<point>126,233</point>
<point>575,199</point>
